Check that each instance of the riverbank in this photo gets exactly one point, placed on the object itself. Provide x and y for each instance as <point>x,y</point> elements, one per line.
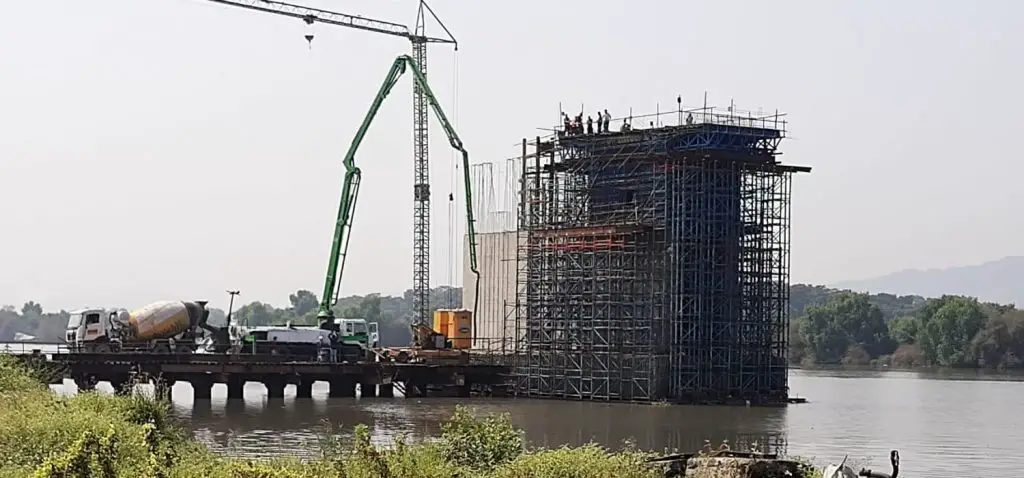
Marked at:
<point>43,434</point>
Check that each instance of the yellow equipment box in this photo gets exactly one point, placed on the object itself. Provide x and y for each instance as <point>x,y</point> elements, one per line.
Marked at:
<point>457,325</point>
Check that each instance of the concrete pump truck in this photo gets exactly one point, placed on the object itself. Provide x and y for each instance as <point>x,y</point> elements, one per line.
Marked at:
<point>351,340</point>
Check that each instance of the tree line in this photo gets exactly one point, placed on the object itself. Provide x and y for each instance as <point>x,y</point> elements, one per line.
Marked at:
<point>828,326</point>
<point>393,314</point>
<point>841,327</point>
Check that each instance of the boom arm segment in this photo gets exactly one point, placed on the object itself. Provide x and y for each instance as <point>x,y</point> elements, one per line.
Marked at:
<point>456,142</point>
<point>350,188</point>
<point>316,15</point>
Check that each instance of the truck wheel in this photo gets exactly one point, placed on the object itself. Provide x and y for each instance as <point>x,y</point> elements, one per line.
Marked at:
<point>161,349</point>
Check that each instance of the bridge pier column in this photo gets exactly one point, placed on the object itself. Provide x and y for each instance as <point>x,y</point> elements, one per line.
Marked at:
<point>413,389</point>
<point>464,390</point>
<point>85,383</point>
<point>499,391</point>
<point>342,387</point>
<point>202,387</point>
<point>236,386</point>
<point>367,390</point>
<point>386,390</point>
<point>121,385</point>
<point>304,389</point>
<point>275,386</point>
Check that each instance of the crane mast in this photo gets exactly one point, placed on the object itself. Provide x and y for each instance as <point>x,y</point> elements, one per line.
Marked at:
<point>421,186</point>
<point>421,153</point>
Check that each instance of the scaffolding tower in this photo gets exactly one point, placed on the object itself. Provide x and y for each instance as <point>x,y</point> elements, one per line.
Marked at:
<point>653,264</point>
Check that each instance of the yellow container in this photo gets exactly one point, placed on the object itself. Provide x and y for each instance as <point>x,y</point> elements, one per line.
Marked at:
<point>456,325</point>
<point>441,319</point>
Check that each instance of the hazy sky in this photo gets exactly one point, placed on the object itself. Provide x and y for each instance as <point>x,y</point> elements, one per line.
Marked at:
<point>176,148</point>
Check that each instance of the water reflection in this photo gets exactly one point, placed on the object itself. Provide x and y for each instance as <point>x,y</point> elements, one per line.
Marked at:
<point>294,426</point>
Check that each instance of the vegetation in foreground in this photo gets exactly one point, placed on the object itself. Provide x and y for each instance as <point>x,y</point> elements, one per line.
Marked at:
<point>102,436</point>
<point>94,435</point>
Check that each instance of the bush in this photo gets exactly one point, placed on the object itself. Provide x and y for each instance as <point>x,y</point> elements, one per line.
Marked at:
<point>908,356</point>
<point>481,443</point>
<point>589,461</point>
<point>15,377</point>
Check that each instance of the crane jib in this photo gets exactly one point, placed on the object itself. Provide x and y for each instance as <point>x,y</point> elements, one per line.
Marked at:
<point>315,15</point>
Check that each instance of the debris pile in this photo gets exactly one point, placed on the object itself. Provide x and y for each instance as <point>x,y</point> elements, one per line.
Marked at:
<point>725,463</point>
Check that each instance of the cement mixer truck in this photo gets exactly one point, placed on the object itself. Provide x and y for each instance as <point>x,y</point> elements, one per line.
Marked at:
<point>163,327</point>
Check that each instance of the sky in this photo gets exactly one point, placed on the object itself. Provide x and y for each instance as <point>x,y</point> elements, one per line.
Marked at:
<point>179,148</point>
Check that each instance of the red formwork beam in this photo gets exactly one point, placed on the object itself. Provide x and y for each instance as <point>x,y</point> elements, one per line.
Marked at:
<point>591,231</point>
<point>580,239</point>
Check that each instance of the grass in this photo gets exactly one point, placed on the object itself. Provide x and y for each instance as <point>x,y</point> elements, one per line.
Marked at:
<point>94,435</point>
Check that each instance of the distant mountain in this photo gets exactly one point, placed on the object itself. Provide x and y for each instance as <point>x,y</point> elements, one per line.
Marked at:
<point>1000,281</point>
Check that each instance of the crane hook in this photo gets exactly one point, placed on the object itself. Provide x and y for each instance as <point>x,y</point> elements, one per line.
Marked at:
<point>309,20</point>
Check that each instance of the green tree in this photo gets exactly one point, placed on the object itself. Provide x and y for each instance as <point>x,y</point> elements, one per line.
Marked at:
<point>797,345</point>
<point>31,310</point>
<point>303,302</point>
<point>1000,344</point>
<point>256,314</point>
<point>845,320</point>
<point>904,329</point>
<point>948,325</point>
<point>804,296</point>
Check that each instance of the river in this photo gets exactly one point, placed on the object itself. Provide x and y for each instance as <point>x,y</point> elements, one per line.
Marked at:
<point>965,422</point>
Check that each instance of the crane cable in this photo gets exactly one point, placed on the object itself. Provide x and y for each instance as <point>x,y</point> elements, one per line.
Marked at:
<point>452,203</point>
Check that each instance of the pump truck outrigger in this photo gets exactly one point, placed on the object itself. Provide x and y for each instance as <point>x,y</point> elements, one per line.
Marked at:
<point>350,192</point>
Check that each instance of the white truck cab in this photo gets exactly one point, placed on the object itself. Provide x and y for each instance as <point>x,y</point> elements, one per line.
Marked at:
<point>354,330</point>
<point>87,325</point>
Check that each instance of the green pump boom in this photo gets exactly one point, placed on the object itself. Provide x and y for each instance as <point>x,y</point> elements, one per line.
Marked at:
<point>350,188</point>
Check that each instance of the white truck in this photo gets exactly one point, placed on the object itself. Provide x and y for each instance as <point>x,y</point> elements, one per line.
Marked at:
<point>356,341</point>
<point>162,327</point>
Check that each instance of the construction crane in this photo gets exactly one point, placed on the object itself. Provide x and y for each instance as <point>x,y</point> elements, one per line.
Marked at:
<point>420,106</point>
<point>353,175</point>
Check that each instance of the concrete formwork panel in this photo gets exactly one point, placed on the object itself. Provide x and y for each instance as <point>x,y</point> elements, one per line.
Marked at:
<point>495,313</point>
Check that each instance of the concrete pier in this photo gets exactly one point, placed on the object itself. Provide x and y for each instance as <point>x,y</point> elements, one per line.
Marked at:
<point>275,386</point>
<point>202,387</point>
<point>236,387</point>
<point>304,389</point>
<point>342,387</point>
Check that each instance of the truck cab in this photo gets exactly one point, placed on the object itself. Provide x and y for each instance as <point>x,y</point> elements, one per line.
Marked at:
<point>87,325</point>
<point>358,332</point>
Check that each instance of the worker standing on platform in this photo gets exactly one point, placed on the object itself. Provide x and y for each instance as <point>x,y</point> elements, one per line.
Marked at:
<point>566,123</point>
<point>590,125</point>
<point>607,120</point>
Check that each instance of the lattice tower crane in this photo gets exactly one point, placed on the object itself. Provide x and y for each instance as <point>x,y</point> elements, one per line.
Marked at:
<point>420,109</point>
